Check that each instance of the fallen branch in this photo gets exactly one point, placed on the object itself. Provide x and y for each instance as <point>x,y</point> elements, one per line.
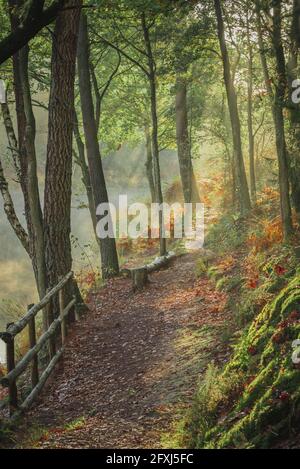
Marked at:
<point>139,275</point>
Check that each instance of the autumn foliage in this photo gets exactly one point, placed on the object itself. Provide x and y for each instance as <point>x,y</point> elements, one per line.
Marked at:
<point>269,235</point>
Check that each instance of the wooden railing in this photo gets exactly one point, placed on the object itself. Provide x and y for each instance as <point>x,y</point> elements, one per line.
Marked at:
<point>50,337</point>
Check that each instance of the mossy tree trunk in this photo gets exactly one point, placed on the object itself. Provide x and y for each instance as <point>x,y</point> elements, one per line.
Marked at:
<point>279,103</point>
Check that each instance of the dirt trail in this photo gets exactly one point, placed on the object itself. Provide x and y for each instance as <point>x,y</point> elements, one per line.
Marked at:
<point>132,364</point>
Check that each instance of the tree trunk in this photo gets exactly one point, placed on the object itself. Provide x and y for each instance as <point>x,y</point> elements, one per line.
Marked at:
<point>21,124</point>
<point>250,115</point>
<point>10,212</point>
<point>26,161</point>
<point>139,278</point>
<point>80,160</point>
<point>32,179</point>
<point>241,179</point>
<point>294,115</point>
<point>188,180</point>
<point>155,146</point>
<point>149,163</point>
<point>57,212</point>
<point>277,103</point>
<point>279,99</point>
<point>262,54</point>
<point>12,139</point>
<point>109,256</point>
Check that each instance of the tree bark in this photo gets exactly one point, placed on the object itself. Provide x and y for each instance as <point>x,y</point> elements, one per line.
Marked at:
<point>155,147</point>
<point>10,212</point>
<point>12,139</point>
<point>109,256</point>
<point>21,124</point>
<point>80,160</point>
<point>188,179</point>
<point>277,99</point>
<point>139,278</point>
<point>57,200</point>
<point>34,204</point>
<point>294,114</point>
<point>279,102</point>
<point>25,159</point>
<point>250,116</point>
<point>241,179</point>
<point>149,163</point>
<point>262,54</point>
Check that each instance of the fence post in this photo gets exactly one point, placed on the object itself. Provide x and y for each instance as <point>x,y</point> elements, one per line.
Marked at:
<point>10,363</point>
<point>77,312</point>
<point>32,343</point>
<point>63,325</point>
<point>70,289</point>
<point>52,347</point>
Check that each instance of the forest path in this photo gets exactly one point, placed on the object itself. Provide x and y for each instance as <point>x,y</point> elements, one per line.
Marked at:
<point>131,366</point>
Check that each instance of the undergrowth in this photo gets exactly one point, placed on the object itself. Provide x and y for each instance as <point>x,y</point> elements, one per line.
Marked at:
<point>262,377</point>
<point>254,400</point>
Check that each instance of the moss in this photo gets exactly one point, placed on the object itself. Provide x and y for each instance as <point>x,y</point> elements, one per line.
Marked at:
<point>201,268</point>
<point>276,285</point>
<point>228,284</point>
<point>268,404</point>
<point>214,273</point>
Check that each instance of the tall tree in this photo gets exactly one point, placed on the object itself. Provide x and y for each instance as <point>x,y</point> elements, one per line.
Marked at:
<point>294,109</point>
<point>58,183</point>
<point>24,158</point>
<point>251,138</point>
<point>240,179</point>
<point>28,149</point>
<point>189,184</point>
<point>279,103</point>
<point>155,146</point>
<point>109,256</point>
<point>149,161</point>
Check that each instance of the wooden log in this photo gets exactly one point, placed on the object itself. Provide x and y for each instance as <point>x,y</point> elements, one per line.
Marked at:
<point>138,275</point>
<point>67,309</point>
<point>50,318</point>
<point>63,318</point>
<point>38,388</point>
<point>78,312</point>
<point>24,362</point>
<point>160,262</point>
<point>10,364</point>
<point>32,344</point>
<point>69,290</point>
<point>157,264</point>
<point>139,278</point>
<point>126,272</point>
<point>17,327</point>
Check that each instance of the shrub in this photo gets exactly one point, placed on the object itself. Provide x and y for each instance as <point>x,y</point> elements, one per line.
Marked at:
<point>268,404</point>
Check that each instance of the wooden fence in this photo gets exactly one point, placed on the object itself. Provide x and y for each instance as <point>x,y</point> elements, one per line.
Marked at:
<point>49,337</point>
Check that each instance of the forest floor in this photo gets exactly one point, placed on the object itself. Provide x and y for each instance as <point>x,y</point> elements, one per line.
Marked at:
<point>132,364</point>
